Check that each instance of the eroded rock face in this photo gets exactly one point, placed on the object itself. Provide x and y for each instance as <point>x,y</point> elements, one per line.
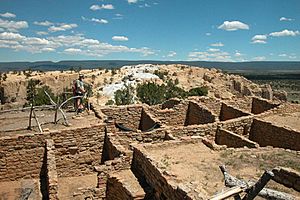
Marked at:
<point>220,85</point>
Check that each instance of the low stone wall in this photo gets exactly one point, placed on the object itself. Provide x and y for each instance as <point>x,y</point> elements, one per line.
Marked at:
<point>52,180</point>
<point>170,103</point>
<point>230,139</point>
<point>199,114</point>
<point>207,130</point>
<point>288,177</point>
<point>146,121</point>
<point>129,116</point>
<point>149,174</point>
<point>170,117</point>
<point>123,186</point>
<point>214,105</point>
<point>229,112</point>
<point>261,105</point>
<point>267,134</point>
<point>76,152</point>
<point>239,126</point>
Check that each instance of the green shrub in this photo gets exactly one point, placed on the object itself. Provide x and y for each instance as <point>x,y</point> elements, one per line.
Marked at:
<point>198,91</point>
<point>124,96</point>
<point>150,93</point>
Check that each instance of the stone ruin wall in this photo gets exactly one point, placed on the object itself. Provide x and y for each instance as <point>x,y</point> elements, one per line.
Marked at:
<point>239,126</point>
<point>214,105</point>
<point>150,174</point>
<point>199,114</point>
<point>76,151</point>
<point>129,116</point>
<point>230,139</point>
<point>170,117</point>
<point>268,134</point>
<point>52,178</point>
<point>229,112</point>
<point>261,105</point>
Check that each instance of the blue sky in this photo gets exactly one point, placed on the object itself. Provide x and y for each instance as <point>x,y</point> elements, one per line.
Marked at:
<point>206,30</point>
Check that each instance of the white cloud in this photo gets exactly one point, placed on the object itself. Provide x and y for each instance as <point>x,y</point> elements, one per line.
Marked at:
<point>8,15</point>
<point>282,55</point>
<point>145,6</point>
<point>69,44</point>
<point>11,36</point>
<point>208,34</point>
<point>44,23</point>
<point>100,21</point>
<point>132,1</point>
<point>259,39</point>
<point>41,33</point>
<point>219,44</point>
<point>285,33</point>
<point>61,27</point>
<point>172,54</point>
<point>72,50</point>
<point>259,42</point>
<point>259,58</point>
<point>238,54</point>
<point>213,50</point>
<point>233,26</point>
<point>120,38</point>
<point>285,19</point>
<point>101,7</point>
<point>13,25</point>
<point>210,56</point>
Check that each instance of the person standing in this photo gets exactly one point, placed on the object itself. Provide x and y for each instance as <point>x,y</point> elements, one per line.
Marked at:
<point>79,92</point>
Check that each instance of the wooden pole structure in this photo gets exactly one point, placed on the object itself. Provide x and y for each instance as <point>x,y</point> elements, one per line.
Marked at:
<point>37,121</point>
<point>30,115</point>
<point>59,108</point>
<point>56,110</point>
<point>253,191</point>
<point>231,181</point>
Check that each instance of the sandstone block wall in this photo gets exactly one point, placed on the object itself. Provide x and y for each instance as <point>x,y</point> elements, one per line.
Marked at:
<point>21,156</point>
<point>52,179</point>
<point>230,139</point>
<point>198,114</point>
<point>261,105</point>
<point>267,134</point>
<point>239,126</point>
<point>146,121</point>
<point>150,175</point>
<point>229,112</point>
<point>214,105</point>
<point>208,130</point>
<point>76,151</point>
<point>129,116</point>
<point>170,103</point>
<point>123,186</point>
<point>288,177</point>
<point>170,117</point>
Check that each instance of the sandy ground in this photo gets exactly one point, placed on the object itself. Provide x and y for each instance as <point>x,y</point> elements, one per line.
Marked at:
<point>12,190</point>
<point>67,186</point>
<point>291,120</point>
<point>198,166</point>
<point>17,122</point>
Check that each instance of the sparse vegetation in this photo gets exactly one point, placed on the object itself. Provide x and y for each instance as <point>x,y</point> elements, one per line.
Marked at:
<point>198,91</point>
<point>124,96</point>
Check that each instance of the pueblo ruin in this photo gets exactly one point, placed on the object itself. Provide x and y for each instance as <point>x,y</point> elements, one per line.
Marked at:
<point>222,146</point>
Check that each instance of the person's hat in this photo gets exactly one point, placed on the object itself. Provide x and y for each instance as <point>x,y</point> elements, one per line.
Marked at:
<point>81,76</point>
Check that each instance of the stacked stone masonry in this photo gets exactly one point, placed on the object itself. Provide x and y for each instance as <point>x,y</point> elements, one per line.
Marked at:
<point>261,105</point>
<point>230,139</point>
<point>267,134</point>
<point>52,178</point>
